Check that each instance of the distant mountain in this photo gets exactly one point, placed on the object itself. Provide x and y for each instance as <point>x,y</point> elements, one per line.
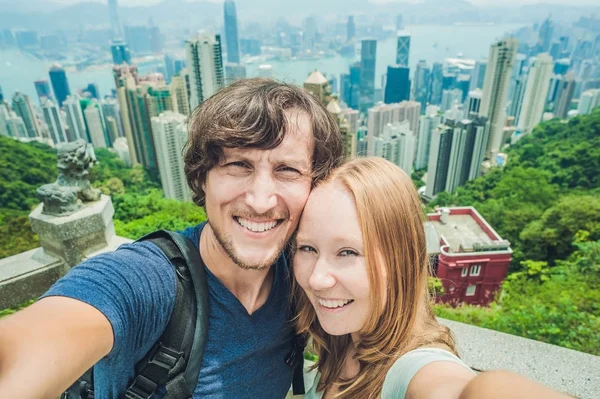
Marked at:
<point>44,15</point>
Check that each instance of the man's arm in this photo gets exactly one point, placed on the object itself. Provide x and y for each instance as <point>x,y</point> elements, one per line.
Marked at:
<point>47,346</point>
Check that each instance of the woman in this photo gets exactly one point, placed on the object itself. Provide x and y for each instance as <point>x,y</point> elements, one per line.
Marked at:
<point>361,269</point>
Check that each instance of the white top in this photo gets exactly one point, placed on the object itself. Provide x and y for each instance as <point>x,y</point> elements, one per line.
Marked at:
<point>398,377</point>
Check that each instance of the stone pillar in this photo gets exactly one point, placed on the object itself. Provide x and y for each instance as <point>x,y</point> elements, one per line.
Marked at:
<point>74,237</point>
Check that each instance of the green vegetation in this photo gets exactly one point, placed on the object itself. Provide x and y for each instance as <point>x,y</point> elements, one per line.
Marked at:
<point>546,202</point>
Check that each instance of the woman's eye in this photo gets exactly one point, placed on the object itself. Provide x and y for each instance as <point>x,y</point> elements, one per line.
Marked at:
<point>306,248</point>
<point>348,252</point>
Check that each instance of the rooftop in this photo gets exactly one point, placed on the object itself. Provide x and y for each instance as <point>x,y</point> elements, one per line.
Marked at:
<point>463,229</point>
<point>316,78</point>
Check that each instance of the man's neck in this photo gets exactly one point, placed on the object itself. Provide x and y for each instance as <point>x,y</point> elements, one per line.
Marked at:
<point>250,287</point>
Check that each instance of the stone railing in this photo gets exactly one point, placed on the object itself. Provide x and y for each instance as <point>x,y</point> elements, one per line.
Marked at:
<point>562,369</point>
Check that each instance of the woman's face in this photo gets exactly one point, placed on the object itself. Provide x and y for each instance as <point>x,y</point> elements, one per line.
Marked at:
<point>329,263</point>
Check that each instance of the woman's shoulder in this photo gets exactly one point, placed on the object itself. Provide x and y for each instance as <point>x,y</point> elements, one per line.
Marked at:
<point>406,366</point>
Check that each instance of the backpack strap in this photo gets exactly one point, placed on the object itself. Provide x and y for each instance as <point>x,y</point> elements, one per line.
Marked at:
<point>175,359</point>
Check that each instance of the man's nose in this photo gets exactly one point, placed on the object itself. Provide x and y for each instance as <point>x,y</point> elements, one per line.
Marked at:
<point>261,195</point>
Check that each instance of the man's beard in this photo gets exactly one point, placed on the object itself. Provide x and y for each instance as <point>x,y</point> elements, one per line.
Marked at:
<point>227,244</point>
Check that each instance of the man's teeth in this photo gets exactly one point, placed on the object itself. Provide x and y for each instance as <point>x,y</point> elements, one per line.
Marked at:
<point>256,227</point>
<point>334,303</point>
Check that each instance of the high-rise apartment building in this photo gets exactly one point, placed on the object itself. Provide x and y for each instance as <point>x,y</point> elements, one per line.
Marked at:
<point>536,91</point>
<point>126,78</point>
<point>396,144</point>
<point>21,104</point>
<point>518,94</point>
<point>403,49</point>
<point>75,121</point>
<point>180,95</point>
<point>427,123</point>
<point>169,131</point>
<point>450,98</point>
<point>60,85</point>
<point>13,125</point>
<point>495,91</point>
<point>368,56</point>
<point>456,153</point>
<point>348,135</point>
<point>54,120</point>
<point>565,95</point>
<point>231,32</point>
<point>205,64</point>
<point>397,86</point>
<point>96,126</point>
<point>111,109</point>
<point>589,100</point>
<point>382,114</point>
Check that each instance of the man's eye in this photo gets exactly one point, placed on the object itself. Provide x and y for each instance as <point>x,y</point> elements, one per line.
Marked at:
<point>288,169</point>
<point>348,252</point>
<point>239,164</point>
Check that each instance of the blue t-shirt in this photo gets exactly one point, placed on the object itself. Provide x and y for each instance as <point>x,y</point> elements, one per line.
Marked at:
<point>135,288</point>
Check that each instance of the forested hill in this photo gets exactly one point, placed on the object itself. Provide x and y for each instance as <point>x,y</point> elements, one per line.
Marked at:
<point>547,195</point>
<point>546,201</point>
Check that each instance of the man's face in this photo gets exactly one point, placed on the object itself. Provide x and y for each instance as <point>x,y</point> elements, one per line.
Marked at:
<point>254,198</point>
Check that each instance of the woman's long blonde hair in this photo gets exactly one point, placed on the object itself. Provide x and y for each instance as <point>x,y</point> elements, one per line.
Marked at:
<point>391,219</point>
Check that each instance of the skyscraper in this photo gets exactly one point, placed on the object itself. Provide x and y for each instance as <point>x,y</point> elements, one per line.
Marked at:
<point>367,73</point>
<point>346,130</point>
<point>516,100</point>
<point>397,87</point>
<point>42,87</point>
<point>96,125</point>
<point>545,35</point>
<point>396,144</point>
<point>180,95</point>
<point>113,17</point>
<point>205,63</point>
<point>75,121</point>
<point>382,114</point>
<point>354,92</point>
<point>234,72</point>
<point>399,22</point>
<point>318,85</point>
<point>350,28</point>
<point>427,122</point>
<point>170,134</point>
<point>437,76</point>
<point>120,52</point>
<point>565,95</point>
<point>474,101</point>
<point>126,78</point>
<point>589,100</point>
<point>231,32</point>
<point>22,106</point>
<point>495,91</point>
<point>478,75</point>
<point>421,83</point>
<point>54,121</point>
<point>449,98</point>
<point>403,49</point>
<point>536,91</point>
<point>60,85</point>
<point>456,153</point>
<point>13,126</point>
<point>111,109</point>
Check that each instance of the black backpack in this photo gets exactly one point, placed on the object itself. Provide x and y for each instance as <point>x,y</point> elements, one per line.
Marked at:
<point>175,359</point>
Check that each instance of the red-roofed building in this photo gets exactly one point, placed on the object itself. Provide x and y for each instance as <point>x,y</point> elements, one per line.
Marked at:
<point>472,260</point>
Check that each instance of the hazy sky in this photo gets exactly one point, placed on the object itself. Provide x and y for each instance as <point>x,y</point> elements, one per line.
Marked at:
<point>475,2</point>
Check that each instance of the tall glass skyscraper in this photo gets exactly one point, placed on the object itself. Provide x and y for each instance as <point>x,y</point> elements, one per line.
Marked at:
<point>58,77</point>
<point>113,17</point>
<point>403,49</point>
<point>367,73</point>
<point>42,87</point>
<point>231,32</point>
<point>397,87</point>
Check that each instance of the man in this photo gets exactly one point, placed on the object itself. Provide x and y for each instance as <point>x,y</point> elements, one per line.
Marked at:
<point>255,150</point>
